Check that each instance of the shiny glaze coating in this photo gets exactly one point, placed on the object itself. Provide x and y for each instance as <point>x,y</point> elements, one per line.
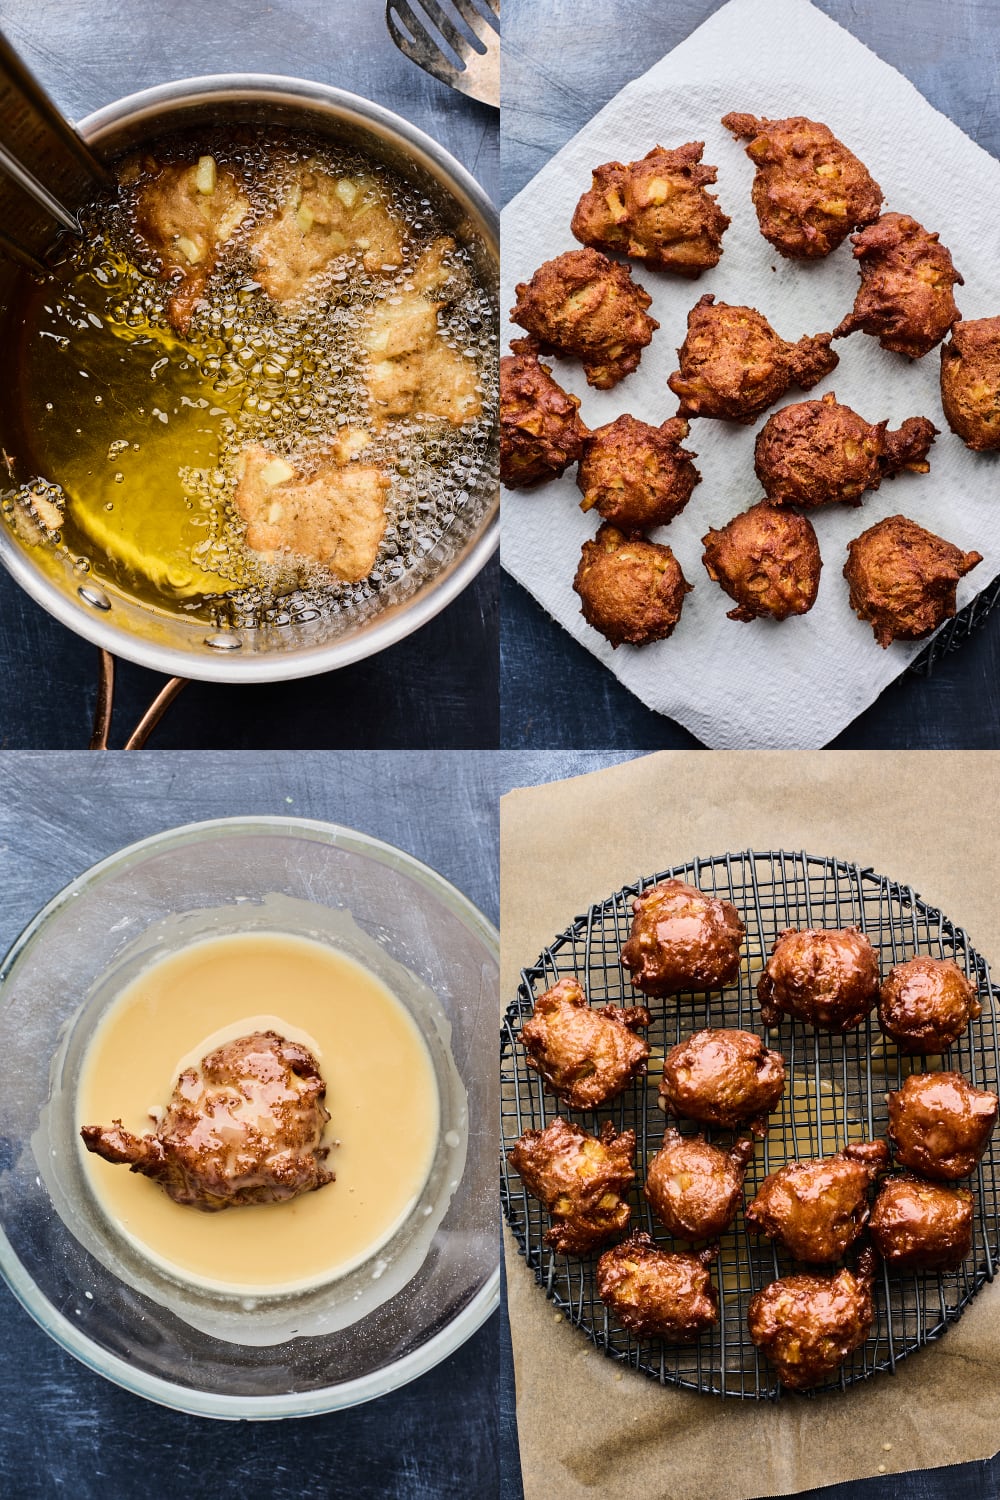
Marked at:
<point>925,1004</point>
<point>921,1226</point>
<point>904,579</point>
<point>695,1189</point>
<point>970,382</point>
<point>816,1209</point>
<point>721,1077</point>
<point>940,1125</point>
<point>682,939</point>
<point>905,299</point>
<point>631,590</point>
<point>808,1325</point>
<point>581,1179</point>
<point>767,560</point>
<point>637,476</point>
<point>827,978</point>
<point>654,1292</point>
<point>585,1056</point>
<point>541,433</point>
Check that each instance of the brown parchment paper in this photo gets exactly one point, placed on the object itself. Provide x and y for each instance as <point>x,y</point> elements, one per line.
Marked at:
<point>586,1425</point>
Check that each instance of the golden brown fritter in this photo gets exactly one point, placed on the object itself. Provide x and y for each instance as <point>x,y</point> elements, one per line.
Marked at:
<point>806,1326</point>
<point>244,1126</point>
<point>809,190</point>
<point>734,366</point>
<point>631,590</point>
<point>905,299</point>
<point>815,1210</point>
<point>585,1056</point>
<point>822,453</point>
<point>829,979</point>
<point>695,1189</point>
<point>767,560</point>
<point>904,579</point>
<point>637,476</point>
<point>583,306</point>
<point>940,1125</point>
<point>925,1004</point>
<point>655,210</point>
<point>653,1292</point>
<point>921,1226</point>
<point>722,1078</point>
<point>682,939</point>
<point>970,382</point>
<point>541,432</point>
<point>581,1179</point>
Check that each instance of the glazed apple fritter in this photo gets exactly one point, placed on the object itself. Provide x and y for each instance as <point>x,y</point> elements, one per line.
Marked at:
<point>722,1077</point>
<point>807,1325</point>
<point>734,366</point>
<point>682,939</point>
<point>970,382</point>
<point>637,476</point>
<point>809,190</point>
<point>631,590</point>
<point>925,1004</point>
<point>903,579</point>
<point>581,305</point>
<point>829,979</point>
<point>905,299</point>
<point>940,1125</point>
<point>541,432</point>
<point>656,210</point>
<point>921,1226</point>
<point>581,1179</point>
<point>815,1210</point>
<point>695,1189</point>
<point>585,1056</point>
<point>767,560</point>
<point>822,453</point>
<point>651,1291</point>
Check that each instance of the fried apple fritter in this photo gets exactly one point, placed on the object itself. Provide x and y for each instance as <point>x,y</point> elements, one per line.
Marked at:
<point>827,978</point>
<point>541,432</point>
<point>940,1125</point>
<point>815,1210</point>
<point>921,1226</point>
<point>585,1056</point>
<point>809,190</point>
<point>925,1004</point>
<point>581,1179</point>
<point>722,1077</point>
<point>653,1292</point>
<point>584,306</point>
<point>695,1189</point>
<point>631,590</point>
<point>734,366</point>
<point>767,560</point>
<point>903,579</point>
<point>656,210</point>
<point>806,1326</point>
<point>637,476</point>
<point>682,939</point>
<point>970,382</point>
<point>905,299</point>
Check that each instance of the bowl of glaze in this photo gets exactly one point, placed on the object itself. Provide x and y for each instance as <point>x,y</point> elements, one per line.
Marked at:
<point>409,1304</point>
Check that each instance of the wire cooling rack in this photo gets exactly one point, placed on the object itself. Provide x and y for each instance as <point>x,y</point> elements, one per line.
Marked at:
<point>957,630</point>
<point>834,1092</point>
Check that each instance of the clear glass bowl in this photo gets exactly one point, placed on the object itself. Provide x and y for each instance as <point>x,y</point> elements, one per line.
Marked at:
<point>51,988</point>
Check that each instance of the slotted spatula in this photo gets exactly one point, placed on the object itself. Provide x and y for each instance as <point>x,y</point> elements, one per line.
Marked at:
<point>457,41</point>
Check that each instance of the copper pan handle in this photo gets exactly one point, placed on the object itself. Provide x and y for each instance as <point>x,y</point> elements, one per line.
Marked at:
<point>104,707</point>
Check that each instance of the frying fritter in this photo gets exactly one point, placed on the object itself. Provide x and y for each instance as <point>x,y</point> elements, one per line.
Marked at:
<point>722,1078</point>
<point>682,939</point>
<point>637,476</point>
<point>656,210</point>
<point>809,190</point>
<point>905,299</point>
<point>583,306</point>
<point>815,1210</point>
<point>653,1292</point>
<point>541,432</point>
<point>829,979</point>
<point>585,1056</point>
<point>767,560</point>
<point>695,1189</point>
<point>631,590</point>
<point>940,1125</point>
<point>921,1226</point>
<point>734,366</point>
<point>822,453</point>
<point>806,1326</point>
<point>970,382</point>
<point>904,579</point>
<point>925,1004</point>
<point>581,1179</point>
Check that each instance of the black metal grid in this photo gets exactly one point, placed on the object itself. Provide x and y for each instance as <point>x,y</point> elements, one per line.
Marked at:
<point>957,631</point>
<point>835,1091</point>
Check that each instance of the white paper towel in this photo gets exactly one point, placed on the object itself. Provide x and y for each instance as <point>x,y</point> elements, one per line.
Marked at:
<point>794,684</point>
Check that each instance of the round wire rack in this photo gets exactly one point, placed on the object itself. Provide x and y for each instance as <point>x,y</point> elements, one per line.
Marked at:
<point>957,630</point>
<point>834,1093</point>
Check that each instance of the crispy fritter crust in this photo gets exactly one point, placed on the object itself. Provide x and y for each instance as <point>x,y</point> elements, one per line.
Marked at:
<point>904,579</point>
<point>808,1325</point>
<point>682,939</point>
<point>921,1226</point>
<point>940,1125</point>
<point>829,979</point>
<point>905,299</point>
<point>637,476</point>
<point>581,1179</point>
<point>734,366</point>
<point>695,1189</point>
<point>631,590</point>
<point>585,1056</point>
<point>816,1209</point>
<point>653,1292</point>
<point>722,1077</point>
<point>655,210</point>
<point>925,1004</point>
<point>970,382</point>
<point>541,432</point>
<point>767,560</point>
